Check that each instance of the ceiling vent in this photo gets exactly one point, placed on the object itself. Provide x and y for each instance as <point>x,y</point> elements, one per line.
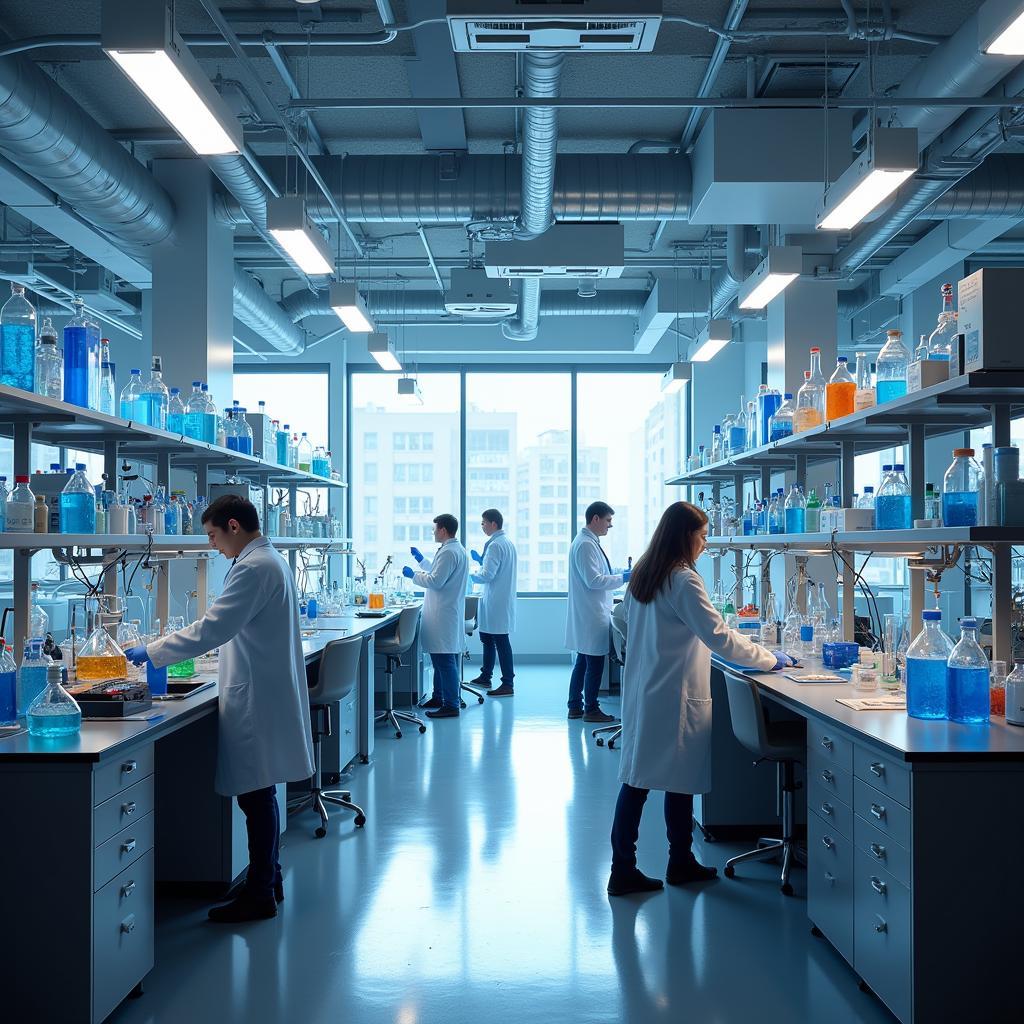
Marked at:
<point>807,77</point>
<point>593,26</point>
<point>474,294</point>
<point>564,250</point>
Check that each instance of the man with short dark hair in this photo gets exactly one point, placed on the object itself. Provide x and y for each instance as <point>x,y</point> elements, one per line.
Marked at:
<point>497,615</point>
<point>591,582</point>
<point>444,613</point>
<point>264,734</point>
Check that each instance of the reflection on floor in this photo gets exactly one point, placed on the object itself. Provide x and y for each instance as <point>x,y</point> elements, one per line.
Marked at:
<point>476,893</point>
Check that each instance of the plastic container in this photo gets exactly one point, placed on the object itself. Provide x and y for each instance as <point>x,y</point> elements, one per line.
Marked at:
<point>840,391</point>
<point>156,679</point>
<point>927,670</point>
<point>960,490</point>
<point>305,453</point>
<point>942,339</point>
<point>155,397</point>
<point>1007,464</point>
<point>131,405</point>
<point>49,364</point>
<point>78,504</point>
<point>81,359</point>
<point>101,659</point>
<point>54,712</point>
<point>31,674</point>
<point>795,511</point>
<point>812,520</point>
<point>780,424</point>
<point>968,681</point>
<point>997,688</point>
<point>282,444</point>
<point>864,391</point>
<point>839,654</point>
<point>892,503</point>
<point>8,686</point>
<point>20,508</point>
<point>41,516</point>
<point>768,403</point>
<point>1015,694</point>
<point>176,413</point>
<point>777,513</point>
<point>200,422</point>
<point>18,340</point>
<point>891,369</point>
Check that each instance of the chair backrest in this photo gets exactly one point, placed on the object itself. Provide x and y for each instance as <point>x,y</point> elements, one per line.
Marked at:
<point>472,609</point>
<point>339,670</point>
<point>747,714</point>
<point>403,636</point>
<point>619,634</point>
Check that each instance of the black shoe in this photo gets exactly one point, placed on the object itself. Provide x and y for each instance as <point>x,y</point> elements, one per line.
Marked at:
<point>690,871</point>
<point>434,702</point>
<point>627,882</point>
<point>599,716</point>
<point>480,683</point>
<point>575,712</point>
<point>279,892</point>
<point>443,713</point>
<point>502,691</point>
<point>243,908</point>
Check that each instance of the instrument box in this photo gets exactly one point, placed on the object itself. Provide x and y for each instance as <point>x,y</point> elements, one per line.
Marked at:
<point>988,316</point>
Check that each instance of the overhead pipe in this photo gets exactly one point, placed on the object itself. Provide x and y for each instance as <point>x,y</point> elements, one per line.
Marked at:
<point>726,280</point>
<point>994,190</point>
<point>258,311</point>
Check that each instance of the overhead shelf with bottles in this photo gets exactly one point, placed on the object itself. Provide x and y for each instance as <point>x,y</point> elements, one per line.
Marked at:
<point>891,543</point>
<point>162,543</point>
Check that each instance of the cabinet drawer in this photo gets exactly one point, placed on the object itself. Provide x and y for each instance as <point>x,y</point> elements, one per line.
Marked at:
<point>121,850</point>
<point>836,780</point>
<point>122,926</point>
<point>830,809</point>
<point>886,774</point>
<point>882,811</point>
<point>830,883</point>
<point>121,772</point>
<point>829,744</point>
<point>881,934</point>
<point>881,850</point>
<point>119,811</point>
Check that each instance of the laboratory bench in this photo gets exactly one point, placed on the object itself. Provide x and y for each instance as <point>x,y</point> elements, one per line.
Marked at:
<point>912,832</point>
<point>92,822</point>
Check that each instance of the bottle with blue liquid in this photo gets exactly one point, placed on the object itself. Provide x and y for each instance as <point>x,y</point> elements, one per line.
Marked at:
<point>18,340</point>
<point>82,359</point>
<point>968,681</point>
<point>282,444</point>
<point>54,712</point>
<point>78,504</point>
<point>131,405</point>
<point>155,397</point>
<point>737,434</point>
<point>795,511</point>
<point>176,413</point>
<point>777,513</point>
<point>32,673</point>
<point>927,669</point>
<point>768,402</point>
<point>961,487</point>
<point>8,686</point>
<point>780,424</point>
<point>892,502</point>
<point>891,369</point>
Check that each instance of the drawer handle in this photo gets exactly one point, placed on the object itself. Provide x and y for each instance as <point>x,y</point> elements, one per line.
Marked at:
<point>877,768</point>
<point>878,850</point>
<point>128,846</point>
<point>826,808</point>
<point>827,776</point>
<point>880,925</point>
<point>128,924</point>
<point>878,885</point>
<point>128,767</point>
<point>127,889</point>
<point>830,878</point>
<point>878,811</point>
<point>128,808</point>
<point>826,742</point>
<point>827,842</point>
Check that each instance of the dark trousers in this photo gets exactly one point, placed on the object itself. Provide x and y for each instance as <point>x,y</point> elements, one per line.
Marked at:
<point>497,644</point>
<point>585,682</point>
<point>446,679</point>
<point>263,827</point>
<point>626,827</point>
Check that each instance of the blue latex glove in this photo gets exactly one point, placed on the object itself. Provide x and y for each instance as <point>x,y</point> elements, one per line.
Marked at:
<point>408,573</point>
<point>477,557</point>
<point>783,660</point>
<point>137,655</point>
<point>626,573</point>
<point>416,553</point>
<point>476,579</point>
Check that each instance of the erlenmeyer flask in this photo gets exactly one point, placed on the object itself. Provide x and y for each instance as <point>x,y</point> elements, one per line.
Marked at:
<point>101,659</point>
<point>54,712</point>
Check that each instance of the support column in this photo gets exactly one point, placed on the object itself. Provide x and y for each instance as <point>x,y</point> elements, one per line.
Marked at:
<point>916,449</point>
<point>1002,581</point>
<point>849,589</point>
<point>804,315</point>
<point>22,558</point>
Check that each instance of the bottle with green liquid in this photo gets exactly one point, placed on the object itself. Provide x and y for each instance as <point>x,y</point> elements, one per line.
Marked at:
<point>182,670</point>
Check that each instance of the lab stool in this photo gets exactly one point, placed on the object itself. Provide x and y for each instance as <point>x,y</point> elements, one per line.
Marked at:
<point>393,646</point>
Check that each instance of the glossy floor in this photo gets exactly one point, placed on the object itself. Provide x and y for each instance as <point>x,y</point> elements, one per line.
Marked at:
<point>476,893</point>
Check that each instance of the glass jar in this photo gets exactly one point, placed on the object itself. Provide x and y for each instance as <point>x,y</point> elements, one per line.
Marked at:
<point>892,503</point>
<point>839,392</point>
<point>927,669</point>
<point>808,412</point>
<point>891,369</point>
<point>1015,694</point>
<point>997,688</point>
<point>968,680</point>
<point>780,424</point>
<point>960,489</point>
<point>864,393</point>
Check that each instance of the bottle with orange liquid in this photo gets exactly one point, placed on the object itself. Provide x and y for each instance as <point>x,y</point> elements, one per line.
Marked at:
<point>808,414</point>
<point>839,392</point>
<point>100,659</point>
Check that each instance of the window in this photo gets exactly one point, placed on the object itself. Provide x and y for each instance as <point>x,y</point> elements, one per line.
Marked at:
<point>547,509</point>
<point>428,473</point>
<point>399,533</point>
<point>369,472</point>
<point>369,506</point>
<point>547,567</point>
<point>398,442</point>
<point>547,491</point>
<point>414,506</point>
<point>370,441</point>
<point>370,532</point>
<point>398,472</point>
<point>428,506</point>
<point>545,547</point>
<point>547,529</point>
<point>398,505</point>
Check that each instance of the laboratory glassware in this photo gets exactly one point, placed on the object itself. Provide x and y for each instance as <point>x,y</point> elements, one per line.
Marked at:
<point>183,669</point>
<point>282,444</point>
<point>155,396</point>
<point>891,369</point>
<point>81,359</point>
<point>101,659</point>
<point>49,364</point>
<point>809,409</point>
<point>921,352</point>
<point>941,340</point>
<point>20,507</point>
<point>737,433</point>
<point>1015,694</point>
<point>751,425</point>
<point>8,686</point>
<point>176,413</point>
<point>717,444</point>
<point>932,503</point>
<point>813,519</point>
<point>997,688</point>
<point>839,392</point>
<point>241,438</point>
<point>39,621</point>
<point>780,424</point>
<point>108,381</point>
<point>18,340</point>
<point>892,502</point>
<point>768,402</point>
<point>776,514</point>
<point>795,511</point>
<point>54,712</point>
<point>32,673</point>
<point>41,516</point>
<point>927,669</point>
<point>960,489</point>
<point>4,493</point>
<point>968,680</point>
<point>867,499</point>
<point>78,504</point>
<point>893,629</point>
<point>864,393</point>
<point>132,406</point>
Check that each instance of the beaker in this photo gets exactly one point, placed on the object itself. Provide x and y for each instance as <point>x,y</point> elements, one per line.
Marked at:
<point>100,659</point>
<point>893,634</point>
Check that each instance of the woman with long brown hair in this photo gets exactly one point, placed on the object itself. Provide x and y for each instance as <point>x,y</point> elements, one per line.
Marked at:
<point>671,631</point>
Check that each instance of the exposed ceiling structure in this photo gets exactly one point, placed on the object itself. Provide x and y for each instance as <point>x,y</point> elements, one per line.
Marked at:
<point>624,186</point>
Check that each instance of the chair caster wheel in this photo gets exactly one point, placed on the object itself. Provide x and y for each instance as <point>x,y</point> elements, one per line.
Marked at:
<point>333,779</point>
<point>817,932</point>
<point>479,700</point>
<point>398,735</point>
<point>360,820</point>
<point>423,728</point>
<point>462,704</point>
<point>321,832</point>
<point>786,889</point>
<point>600,742</point>
<point>363,759</point>
<point>611,744</point>
<point>138,992</point>
<point>729,871</point>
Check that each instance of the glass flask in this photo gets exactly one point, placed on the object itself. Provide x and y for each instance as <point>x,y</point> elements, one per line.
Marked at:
<point>81,359</point>
<point>132,406</point>
<point>39,621</point>
<point>780,424</point>
<point>940,341</point>
<point>18,340</point>
<point>176,413</point>
<point>996,687</point>
<point>129,635</point>
<point>813,518</point>
<point>891,369</point>
<point>717,444</point>
<point>183,669</point>
<point>49,363</point>
<point>8,686</point>
<point>750,421</point>
<point>101,659</point>
<point>960,488</point>
<point>32,673</point>
<point>795,511</point>
<point>20,508</point>
<point>54,712</point>
<point>321,467</point>
<point>1015,694</point>
<point>892,502</point>
<point>736,435</point>
<point>241,438</point>
<point>155,396</point>
<point>927,669</point>
<point>968,679</point>
<point>768,402</point>
<point>864,391</point>
<point>809,406</point>
<point>932,503</point>
<point>839,391</point>
<point>78,504</point>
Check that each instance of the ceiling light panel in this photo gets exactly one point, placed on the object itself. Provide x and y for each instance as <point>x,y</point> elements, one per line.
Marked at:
<point>780,268</point>
<point>379,346</point>
<point>344,298</point>
<point>288,222</point>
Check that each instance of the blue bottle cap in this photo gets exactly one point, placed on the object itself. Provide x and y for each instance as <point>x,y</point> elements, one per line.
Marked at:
<point>205,387</point>
<point>897,467</point>
<point>806,633</point>
<point>986,445</point>
<point>869,489</point>
<point>54,467</point>
<point>931,615</point>
<point>136,371</point>
<point>887,469</point>
<point>197,383</point>
<point>842,359</point>
<point>969,623</point>
<point>787,396</point>
<point>80,467</point>
<point>175,391</point>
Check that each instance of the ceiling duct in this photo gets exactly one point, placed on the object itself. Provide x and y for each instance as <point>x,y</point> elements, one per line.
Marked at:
<point>258,311</point>
<point>565,250</point>
<point>474,294</point>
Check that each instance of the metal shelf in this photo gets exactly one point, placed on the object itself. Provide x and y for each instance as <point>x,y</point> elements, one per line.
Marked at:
<point>141,541</point>
<point>892,543</point>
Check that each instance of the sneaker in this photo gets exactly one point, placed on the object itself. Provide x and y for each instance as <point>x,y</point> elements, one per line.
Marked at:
<point>575,712</point>
<point>690,871</point>
<point>279,892</point>
<point>502,691</point>
<point>598,716</point>
<point>243,908</point>
<point>480,683</point>
<point>627,882</point>
<point>434,702</point>
<point>443,713</point>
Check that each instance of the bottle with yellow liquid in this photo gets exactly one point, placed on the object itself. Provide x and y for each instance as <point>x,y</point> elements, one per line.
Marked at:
<point>808,414</point>
<point>101,659</point>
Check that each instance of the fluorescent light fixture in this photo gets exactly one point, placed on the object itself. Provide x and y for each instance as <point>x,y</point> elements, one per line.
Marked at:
<point>890,158</point>
<point>380,347</point>
<point>675,377</point>
<point>781,267</point>
<point>712,340</point>
<point>1001,28</point>
<point>139,39</point>
<point>345,300</point>
<point>409,391</point>
<point>288,222</point>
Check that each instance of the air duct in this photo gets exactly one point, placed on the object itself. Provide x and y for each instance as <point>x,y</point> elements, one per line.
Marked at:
<point>726,281</point>
<point>261,313</point>
<point>994,191</point>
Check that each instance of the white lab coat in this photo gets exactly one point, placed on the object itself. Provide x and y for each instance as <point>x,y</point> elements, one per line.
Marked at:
<point>666,685</point>
<point>443,629</point>
<point>591,582</point>
<point>264,734</point>
<point>498,574</point>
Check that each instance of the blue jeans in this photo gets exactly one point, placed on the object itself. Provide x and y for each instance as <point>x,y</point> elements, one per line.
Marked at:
<point>497,644</point>
<point>263,828</point>
<point>626,827</point>
<point>446,679</point>
<point>585,682</point>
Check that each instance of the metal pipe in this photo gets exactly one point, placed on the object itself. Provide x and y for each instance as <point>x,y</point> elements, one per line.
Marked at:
<point>995,189</point>
<point>258,311</point>
<point>430,258</point>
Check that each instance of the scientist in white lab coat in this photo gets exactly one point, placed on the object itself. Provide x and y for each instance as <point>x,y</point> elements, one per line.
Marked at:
<point>263,728</point>
<point>443,628</point>
<point>497,614</point>
<point>671,630</point>
<point>591,582</point>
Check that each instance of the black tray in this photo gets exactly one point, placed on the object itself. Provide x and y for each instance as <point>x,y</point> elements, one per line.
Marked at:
<point>113,708</point>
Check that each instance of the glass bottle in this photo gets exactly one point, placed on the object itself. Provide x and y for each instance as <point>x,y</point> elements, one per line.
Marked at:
<point>293,451</point>
<point>867,499</point>
<point>243,432</point>
<point>864,393</point>
<point>813,520</point>
<point>108,388</point>
<point>81,359</point>
<point>8,686</point>
<point>768,402</point>
<point>100,659</point>
<point>927,670</point>
<point>41,514</point>
<point>18,340</point>
<point>176,413</point>
<point>736,437</point>
<point>996,688</point>
<point>155,396</point>
<point>212,424</point>
<point>968,681</point>
<point>78,504</point>
<point>892,503</point>
<point>39,621</point>
<point>717,444</point>
<point>932,504</point>
<point>195,409</point>
<point>891,369</point>
<point>228,430</point>
<point>809,413</point>
<point>750,421</point>
<point>49,363</point>
<point>54,712</point>
<point>777,513</point>
<point>282,444</point>
<point>321,467</point>
<point>31,674</point>
<point>131,404</point>
<point>780,424</point>
<point>795,511</point>
<point>940,341</point>
<point>20,508</point>
<point>960,488</point>
<point>4,494</point>
<point>172,517</point>
<point>839,392</point>
<point>921,352</point>
<point>1015,694</point>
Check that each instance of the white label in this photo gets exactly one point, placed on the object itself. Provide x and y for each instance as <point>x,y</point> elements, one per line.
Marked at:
<point>20,517</point>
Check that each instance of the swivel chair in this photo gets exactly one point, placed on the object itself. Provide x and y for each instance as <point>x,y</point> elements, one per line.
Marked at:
<point>472,611</point>
<point>618,631</point>
<point>781,742</point>
<point>339,669</point>
<point>393,646</point>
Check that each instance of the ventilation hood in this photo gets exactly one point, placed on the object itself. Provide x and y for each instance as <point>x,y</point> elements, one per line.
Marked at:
<point>474,294</point>
<point>564,250</point>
